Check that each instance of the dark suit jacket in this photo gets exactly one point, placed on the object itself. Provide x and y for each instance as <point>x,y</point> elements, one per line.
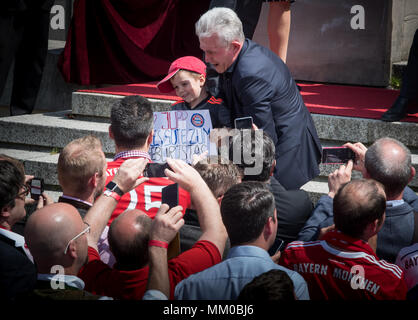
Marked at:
<point>260,85</point>
<point>397,231</point>
<point>293,210</point>
<point>17,272</point>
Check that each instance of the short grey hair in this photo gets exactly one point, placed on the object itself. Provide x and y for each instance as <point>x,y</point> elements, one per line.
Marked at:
<point>394,175</point>
<point>221,21</point>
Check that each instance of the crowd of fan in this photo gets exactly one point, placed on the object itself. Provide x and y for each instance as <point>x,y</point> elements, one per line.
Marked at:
<point>232,236</point>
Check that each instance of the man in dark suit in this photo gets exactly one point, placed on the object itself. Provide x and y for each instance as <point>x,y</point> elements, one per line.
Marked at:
<point>24,28</point>
<point>255,82</point>
<point>407,101</point>
<point>17,272</point>
<point>293,206</point>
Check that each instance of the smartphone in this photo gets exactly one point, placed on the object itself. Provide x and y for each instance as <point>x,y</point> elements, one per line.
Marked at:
<point>155,169</point>
<point>337,155</point>
<point>170,195</point>
<point>36,188</point>
<point>280,246</point>
<point>244,123</point>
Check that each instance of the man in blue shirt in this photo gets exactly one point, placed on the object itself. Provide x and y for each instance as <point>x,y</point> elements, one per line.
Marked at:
<point>249,214</point>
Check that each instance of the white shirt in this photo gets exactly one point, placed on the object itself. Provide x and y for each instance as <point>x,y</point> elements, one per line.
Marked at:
<point>18,239</point>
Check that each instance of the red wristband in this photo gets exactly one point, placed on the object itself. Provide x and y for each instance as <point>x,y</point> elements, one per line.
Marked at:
<point>157,243</point>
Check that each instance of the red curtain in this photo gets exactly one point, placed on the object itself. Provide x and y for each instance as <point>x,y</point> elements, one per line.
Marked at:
<point>128,41</point>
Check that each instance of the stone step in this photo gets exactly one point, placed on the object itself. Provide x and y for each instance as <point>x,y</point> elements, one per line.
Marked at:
<point>330,128</point>
<point>51,130</point>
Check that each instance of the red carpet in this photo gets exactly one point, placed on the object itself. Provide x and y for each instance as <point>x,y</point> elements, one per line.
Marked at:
<point>348,101</point>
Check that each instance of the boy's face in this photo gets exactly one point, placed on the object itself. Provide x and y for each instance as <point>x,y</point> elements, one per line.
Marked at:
<point>188,86</point>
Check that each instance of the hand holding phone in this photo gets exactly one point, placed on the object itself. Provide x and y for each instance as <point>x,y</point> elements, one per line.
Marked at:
<point>337,155</point>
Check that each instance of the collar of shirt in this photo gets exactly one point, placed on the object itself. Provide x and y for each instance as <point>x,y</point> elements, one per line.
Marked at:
<point>71,281</point>
<point>77,199</point>
<point>132,154</point>
<point>340,240</point>
<point>248,251</point>
<point>394,203</point>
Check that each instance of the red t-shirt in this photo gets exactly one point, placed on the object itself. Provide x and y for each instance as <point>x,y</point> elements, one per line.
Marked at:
<point>146,197</point>
<point>101,279</point>
<point>333,274</point>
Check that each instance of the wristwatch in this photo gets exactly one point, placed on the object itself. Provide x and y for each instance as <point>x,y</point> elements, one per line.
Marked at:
<point>113,187</point>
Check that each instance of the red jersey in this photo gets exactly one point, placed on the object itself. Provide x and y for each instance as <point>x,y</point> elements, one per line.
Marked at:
<point>352,274</point>
<point>119,284</point>
<point>146,197</point>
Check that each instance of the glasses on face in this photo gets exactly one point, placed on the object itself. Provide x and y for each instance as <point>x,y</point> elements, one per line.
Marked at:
<point>87,230</point>
<point>22,195</point>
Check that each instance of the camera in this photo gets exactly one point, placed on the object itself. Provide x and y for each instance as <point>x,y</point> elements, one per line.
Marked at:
<point>244,123</point>
<point>337,155</point>
<point>155,169</point>
<point>36,188</point>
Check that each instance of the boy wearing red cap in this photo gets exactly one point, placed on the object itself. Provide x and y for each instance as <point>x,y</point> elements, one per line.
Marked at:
<point>187,76</point>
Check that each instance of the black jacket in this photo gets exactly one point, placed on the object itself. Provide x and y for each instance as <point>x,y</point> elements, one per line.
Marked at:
<point>260,85</point>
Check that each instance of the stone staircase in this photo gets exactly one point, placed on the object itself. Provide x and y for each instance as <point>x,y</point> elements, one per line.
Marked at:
<point>37,139</point>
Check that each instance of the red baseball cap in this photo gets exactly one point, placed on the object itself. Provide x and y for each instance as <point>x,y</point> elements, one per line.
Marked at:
<point>189,63</point>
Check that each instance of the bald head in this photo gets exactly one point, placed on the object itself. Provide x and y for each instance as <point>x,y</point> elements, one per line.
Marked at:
<point>128,239</point>
<point>389,162</point>
<point>357,204</point>
<point>47,233</point>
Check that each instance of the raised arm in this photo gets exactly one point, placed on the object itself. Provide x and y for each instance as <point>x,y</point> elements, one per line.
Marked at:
<point>164,228</point>
<point>98,215</point>
<point>204,202</point>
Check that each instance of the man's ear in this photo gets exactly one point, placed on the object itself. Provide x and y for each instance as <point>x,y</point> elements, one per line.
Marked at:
<point>94,179</point>
<point>150,136</point>
<point>236,46</point>
<point>268,228</point>
<point>5,212</point>
<point>413,172</point>
<point>72,250</point>
<point>272,168</point>
<point>111,136</point>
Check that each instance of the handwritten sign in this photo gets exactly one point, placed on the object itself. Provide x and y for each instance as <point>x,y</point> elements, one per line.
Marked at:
<point>180,134</point>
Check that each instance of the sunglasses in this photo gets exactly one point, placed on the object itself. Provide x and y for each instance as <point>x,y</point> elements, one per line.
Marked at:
<point>87,230</point>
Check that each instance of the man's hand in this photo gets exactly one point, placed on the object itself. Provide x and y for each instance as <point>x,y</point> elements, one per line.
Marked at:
<point>127,176</point>
<point>360,151</point>
<point>185,175</point>
<point>43,201</point>
<point>323,231</point>
<point>166,224</point>
<point>339,177</point>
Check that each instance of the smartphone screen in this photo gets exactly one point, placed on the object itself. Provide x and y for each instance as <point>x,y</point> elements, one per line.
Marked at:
<point>244,123</point>
<point>36,188</point>
<point>155,169</point>
<point>337,155</point>
<point>170,195</point>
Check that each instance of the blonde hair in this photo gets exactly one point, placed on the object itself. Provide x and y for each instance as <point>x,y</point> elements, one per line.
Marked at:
<point>79,161</point>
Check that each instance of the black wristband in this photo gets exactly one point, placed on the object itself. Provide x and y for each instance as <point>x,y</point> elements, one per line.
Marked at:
<point>114,187</point>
